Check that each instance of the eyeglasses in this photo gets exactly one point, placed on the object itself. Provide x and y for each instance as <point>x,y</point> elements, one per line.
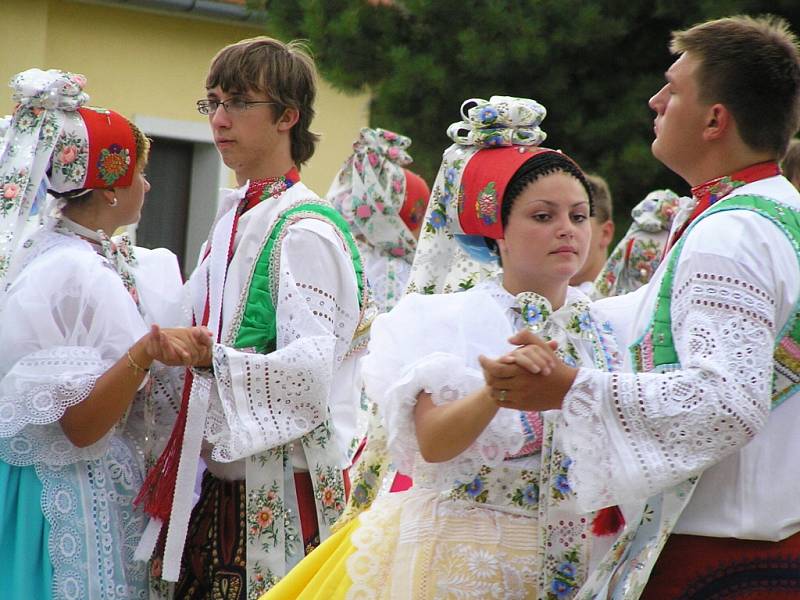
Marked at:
<point>233,106</point>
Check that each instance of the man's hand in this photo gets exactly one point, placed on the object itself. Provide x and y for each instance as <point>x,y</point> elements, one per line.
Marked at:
<point>530,378</point>
<point>188,346</point>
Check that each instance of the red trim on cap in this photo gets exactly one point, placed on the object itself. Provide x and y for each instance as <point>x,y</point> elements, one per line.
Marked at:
<point>112,149</point>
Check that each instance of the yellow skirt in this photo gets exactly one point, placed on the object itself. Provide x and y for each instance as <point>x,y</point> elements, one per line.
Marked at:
<point>322,575</point>
<point>417,544</point>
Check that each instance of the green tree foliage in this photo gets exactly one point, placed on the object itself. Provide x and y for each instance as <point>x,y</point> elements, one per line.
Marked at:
<point>593,63</point>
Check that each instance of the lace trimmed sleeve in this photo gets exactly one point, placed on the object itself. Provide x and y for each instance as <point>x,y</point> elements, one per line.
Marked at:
<point>632,435</point>
<point>66,320</point>
<point>267,400</point>
<point>431,344</point>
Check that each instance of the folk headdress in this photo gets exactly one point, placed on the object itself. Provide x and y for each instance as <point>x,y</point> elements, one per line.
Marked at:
<point>492,141</point>
<point>383,202</point>
<point>54,142</point>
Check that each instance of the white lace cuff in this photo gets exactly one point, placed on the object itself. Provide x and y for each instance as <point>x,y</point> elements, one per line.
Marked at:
<point>598,473</point>
<point>268,400</point>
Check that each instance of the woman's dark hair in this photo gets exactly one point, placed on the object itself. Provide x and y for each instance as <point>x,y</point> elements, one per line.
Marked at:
<point>542,164</point>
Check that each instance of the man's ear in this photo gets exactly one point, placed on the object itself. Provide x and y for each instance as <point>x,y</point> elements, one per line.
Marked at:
<point>606,233</point>
<point>719,120</point>
<point>288,119</point>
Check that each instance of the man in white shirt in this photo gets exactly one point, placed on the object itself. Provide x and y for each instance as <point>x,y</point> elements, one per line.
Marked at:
<point>281,285</point>
<point>712,341</point>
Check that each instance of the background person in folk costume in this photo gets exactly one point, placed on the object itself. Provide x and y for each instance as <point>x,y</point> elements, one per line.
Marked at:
<point>602,222</point>
<point>282,287</point>
<point>705,425</point>
<point>75,308</point>
<point>490,514</point>
<point>637,255</point>
<point>384,203</point>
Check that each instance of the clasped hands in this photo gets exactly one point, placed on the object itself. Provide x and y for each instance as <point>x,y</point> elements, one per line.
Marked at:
<point>530,377</point>
<point>176,346</point>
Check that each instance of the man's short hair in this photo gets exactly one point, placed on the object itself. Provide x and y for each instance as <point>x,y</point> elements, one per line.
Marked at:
<point>284,72</point>
<point>752,66</point>
<point>601,197</point>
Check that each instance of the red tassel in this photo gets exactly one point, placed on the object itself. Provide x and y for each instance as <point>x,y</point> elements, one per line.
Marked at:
<point>158,489</point>
<point>608,521</point>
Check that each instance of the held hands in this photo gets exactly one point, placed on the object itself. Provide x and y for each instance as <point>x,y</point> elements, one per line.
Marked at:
<point>176,346</point>
<point>531,377</point>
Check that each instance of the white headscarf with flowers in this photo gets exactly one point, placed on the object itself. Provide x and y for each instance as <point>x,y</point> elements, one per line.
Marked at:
<point>46,100</point>
<point>369,192</point>
<point>447,260</point>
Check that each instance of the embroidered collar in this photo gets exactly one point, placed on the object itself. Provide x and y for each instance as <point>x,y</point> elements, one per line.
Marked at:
<point>709,193</point>
<point>262,189</point>
<point>712,191</point>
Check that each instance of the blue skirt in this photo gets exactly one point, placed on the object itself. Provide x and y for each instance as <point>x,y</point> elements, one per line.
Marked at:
<point>25,567</point>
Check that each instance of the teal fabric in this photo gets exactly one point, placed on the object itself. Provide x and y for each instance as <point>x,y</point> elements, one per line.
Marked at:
<point>25,568</point>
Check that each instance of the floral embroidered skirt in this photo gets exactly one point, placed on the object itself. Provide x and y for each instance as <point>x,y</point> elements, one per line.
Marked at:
<point>419,544</point>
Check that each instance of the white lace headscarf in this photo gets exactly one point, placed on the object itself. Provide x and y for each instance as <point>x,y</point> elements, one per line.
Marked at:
<point>448,260</point>
<point>46,102</point>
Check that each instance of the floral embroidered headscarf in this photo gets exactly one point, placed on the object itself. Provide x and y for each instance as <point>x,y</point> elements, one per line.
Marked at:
<point>492,140</point>
<point>381,200</point>
<point>53,142</point>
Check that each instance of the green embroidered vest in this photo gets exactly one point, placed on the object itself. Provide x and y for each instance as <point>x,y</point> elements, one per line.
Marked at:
<point>655,350</point>
<point>257,324</point>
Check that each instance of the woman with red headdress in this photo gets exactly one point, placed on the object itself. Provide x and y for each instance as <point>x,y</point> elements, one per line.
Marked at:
<point>491,513</point>
<point>77,366</point>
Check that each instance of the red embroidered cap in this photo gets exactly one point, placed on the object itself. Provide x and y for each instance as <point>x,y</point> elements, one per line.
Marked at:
<point>484,183</point>
<point>416,200</point>
<point>112,149</point>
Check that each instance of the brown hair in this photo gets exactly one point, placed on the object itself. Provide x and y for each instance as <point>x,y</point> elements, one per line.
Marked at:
<point>752,66</point>
<point>285,72</point>
<point>791,162</point>
<point>601,198</point>
<point>142,146</point>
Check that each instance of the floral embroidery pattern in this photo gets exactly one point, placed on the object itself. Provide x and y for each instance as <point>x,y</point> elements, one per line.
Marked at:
<point>486,204</point>
<point>527,495</point>
<point>440,200</point>
<point>70,157</point>
<point>12,189</point>
<point>329,492</point>
<point>266,512</point>
<point>113,163</point>
<point>560,488</point>
<point>476,490</point>
<point>259,582</point>
<point>564,582</point>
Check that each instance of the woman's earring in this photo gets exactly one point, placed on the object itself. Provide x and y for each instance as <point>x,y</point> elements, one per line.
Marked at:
<point>113,202</point>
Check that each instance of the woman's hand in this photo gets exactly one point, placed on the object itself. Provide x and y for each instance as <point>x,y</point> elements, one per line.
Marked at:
<point>176,346</point>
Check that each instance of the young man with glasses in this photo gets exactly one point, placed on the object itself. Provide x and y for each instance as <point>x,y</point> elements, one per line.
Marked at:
<point>281,285</point>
